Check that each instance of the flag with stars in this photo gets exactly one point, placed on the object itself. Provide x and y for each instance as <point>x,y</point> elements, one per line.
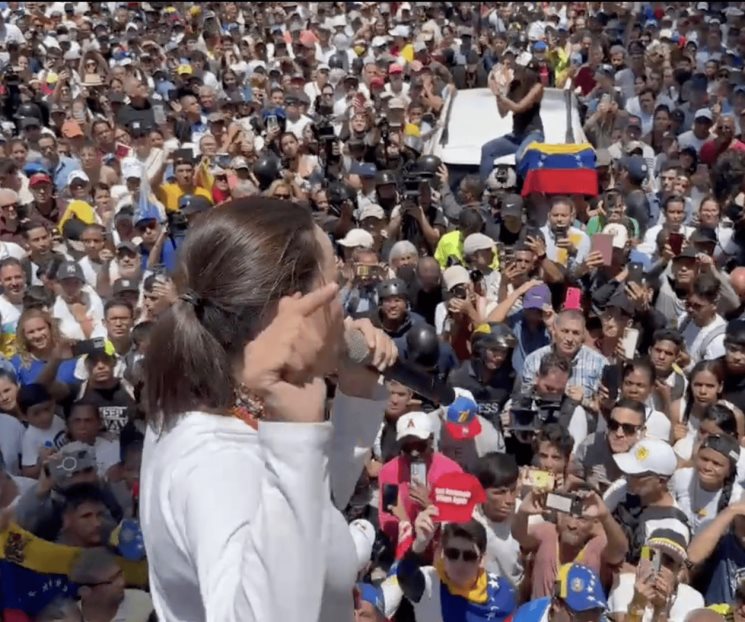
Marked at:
<point>33,572</point>
<point>559,169</point>
<point>496,602</point>
<point>24,593</point>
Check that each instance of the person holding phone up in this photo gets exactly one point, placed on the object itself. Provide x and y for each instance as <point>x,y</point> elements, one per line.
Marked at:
<point>565,244</point>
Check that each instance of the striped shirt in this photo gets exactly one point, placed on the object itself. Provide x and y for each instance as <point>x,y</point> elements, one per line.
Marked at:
<point>587,368</point>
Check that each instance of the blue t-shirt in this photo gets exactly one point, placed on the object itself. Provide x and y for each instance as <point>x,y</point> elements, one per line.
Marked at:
<point>723,563</point>
<point>28,375</point>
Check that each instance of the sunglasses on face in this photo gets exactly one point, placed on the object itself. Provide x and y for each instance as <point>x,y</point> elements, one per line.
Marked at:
<point>9,205</point>
<point>420,446</point>
<point>627,428</point>
<point>453,554</point>
<point>146,226</point>
<point>282,196</point>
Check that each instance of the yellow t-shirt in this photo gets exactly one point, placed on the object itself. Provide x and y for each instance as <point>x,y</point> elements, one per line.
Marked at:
<point>451,244</point>
<point>169,194</point>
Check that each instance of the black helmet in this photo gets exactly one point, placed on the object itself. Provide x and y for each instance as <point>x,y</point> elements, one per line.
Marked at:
<point>427,164</point>
<point>392,287</point>
<point>357,65</point>
<point>267,169</point>
<point>383,178</point>
<point>492,335</point>
<point>29,110</point>
<point>338,192</point>
<point>339,60</point>
<point>423,345</point>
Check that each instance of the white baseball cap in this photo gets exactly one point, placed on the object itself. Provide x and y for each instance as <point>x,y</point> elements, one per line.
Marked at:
<point>648,456</point>
<point>363,536</point>
<point>357,238</point>
<point>455,275</point>
<point>417,424</point>
<point>477,242</point>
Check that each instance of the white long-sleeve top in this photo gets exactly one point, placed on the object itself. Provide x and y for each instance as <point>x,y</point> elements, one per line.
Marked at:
<point>239,525</point>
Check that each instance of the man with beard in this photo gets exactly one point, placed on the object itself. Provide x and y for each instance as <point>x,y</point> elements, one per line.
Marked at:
<point>38,242</point>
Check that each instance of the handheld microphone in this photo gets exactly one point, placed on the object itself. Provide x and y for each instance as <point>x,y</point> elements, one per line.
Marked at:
<point>420,382</point>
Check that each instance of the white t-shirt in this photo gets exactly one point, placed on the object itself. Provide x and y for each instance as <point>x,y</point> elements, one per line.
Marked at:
<point>107,454</point>
<point>686,599</point>
<point>34,439</point>
<point>502,550</point>
<point>9,314</point>
<point>695,337</point>
<point>688,139</point>
<point>699,505</point>
<point>69,326</point>
<point>11,249</point>
<point>11,442</point>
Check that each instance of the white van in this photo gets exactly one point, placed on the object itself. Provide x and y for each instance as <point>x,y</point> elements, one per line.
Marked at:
<point>471,118</point>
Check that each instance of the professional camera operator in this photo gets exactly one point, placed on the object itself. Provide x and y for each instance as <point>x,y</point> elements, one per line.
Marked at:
<point>418,218</point>
<point>544,403</point>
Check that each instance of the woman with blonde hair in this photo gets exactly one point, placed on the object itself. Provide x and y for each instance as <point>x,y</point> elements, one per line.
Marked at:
<point>38,338</point>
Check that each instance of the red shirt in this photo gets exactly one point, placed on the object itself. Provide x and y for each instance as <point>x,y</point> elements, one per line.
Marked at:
<point>396,471</point>
<point>711,150</point>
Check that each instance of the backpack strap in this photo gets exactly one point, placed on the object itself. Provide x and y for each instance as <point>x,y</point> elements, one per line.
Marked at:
<point>717,332</point>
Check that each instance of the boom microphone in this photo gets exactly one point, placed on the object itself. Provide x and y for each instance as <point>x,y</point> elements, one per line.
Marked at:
<point>420,382</point>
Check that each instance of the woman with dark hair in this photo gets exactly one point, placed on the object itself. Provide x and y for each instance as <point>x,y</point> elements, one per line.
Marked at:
<point>523,100</point>
<point>706,488</point>
<point>705,384</point>
<point>243,478</point>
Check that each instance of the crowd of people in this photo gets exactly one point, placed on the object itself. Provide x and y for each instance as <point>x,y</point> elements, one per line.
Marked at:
<point>596,342</point>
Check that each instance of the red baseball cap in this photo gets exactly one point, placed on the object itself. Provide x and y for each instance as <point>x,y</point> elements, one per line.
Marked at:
<point>456,495</point>
<point>461,417</point>
<point>39,178</point>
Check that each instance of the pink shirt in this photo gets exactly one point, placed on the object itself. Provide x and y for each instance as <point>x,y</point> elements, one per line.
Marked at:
<point>546,562</point>
<point>396,471</point>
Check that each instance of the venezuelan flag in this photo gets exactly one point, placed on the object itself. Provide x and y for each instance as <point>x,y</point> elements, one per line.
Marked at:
<point>559,169</point>
<point>33,572</point>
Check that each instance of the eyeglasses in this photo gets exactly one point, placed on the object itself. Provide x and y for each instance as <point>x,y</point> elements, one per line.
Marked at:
<point>286,197</point>
<point>696,306</point>
<point>627,428</point>
<point>9,205</point>
<point>454,555</point>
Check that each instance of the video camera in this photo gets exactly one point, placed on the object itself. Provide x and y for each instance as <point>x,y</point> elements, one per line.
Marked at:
<point>529,413</point>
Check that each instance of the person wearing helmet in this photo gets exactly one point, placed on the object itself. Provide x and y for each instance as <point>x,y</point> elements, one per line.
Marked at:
<point>267,170</point>
<point>393,314</point>
<point>529,322</point>
<point>488,375</point>
<point>425,350</point>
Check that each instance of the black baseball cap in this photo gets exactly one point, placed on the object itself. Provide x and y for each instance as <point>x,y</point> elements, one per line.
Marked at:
<point>30,395</point>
